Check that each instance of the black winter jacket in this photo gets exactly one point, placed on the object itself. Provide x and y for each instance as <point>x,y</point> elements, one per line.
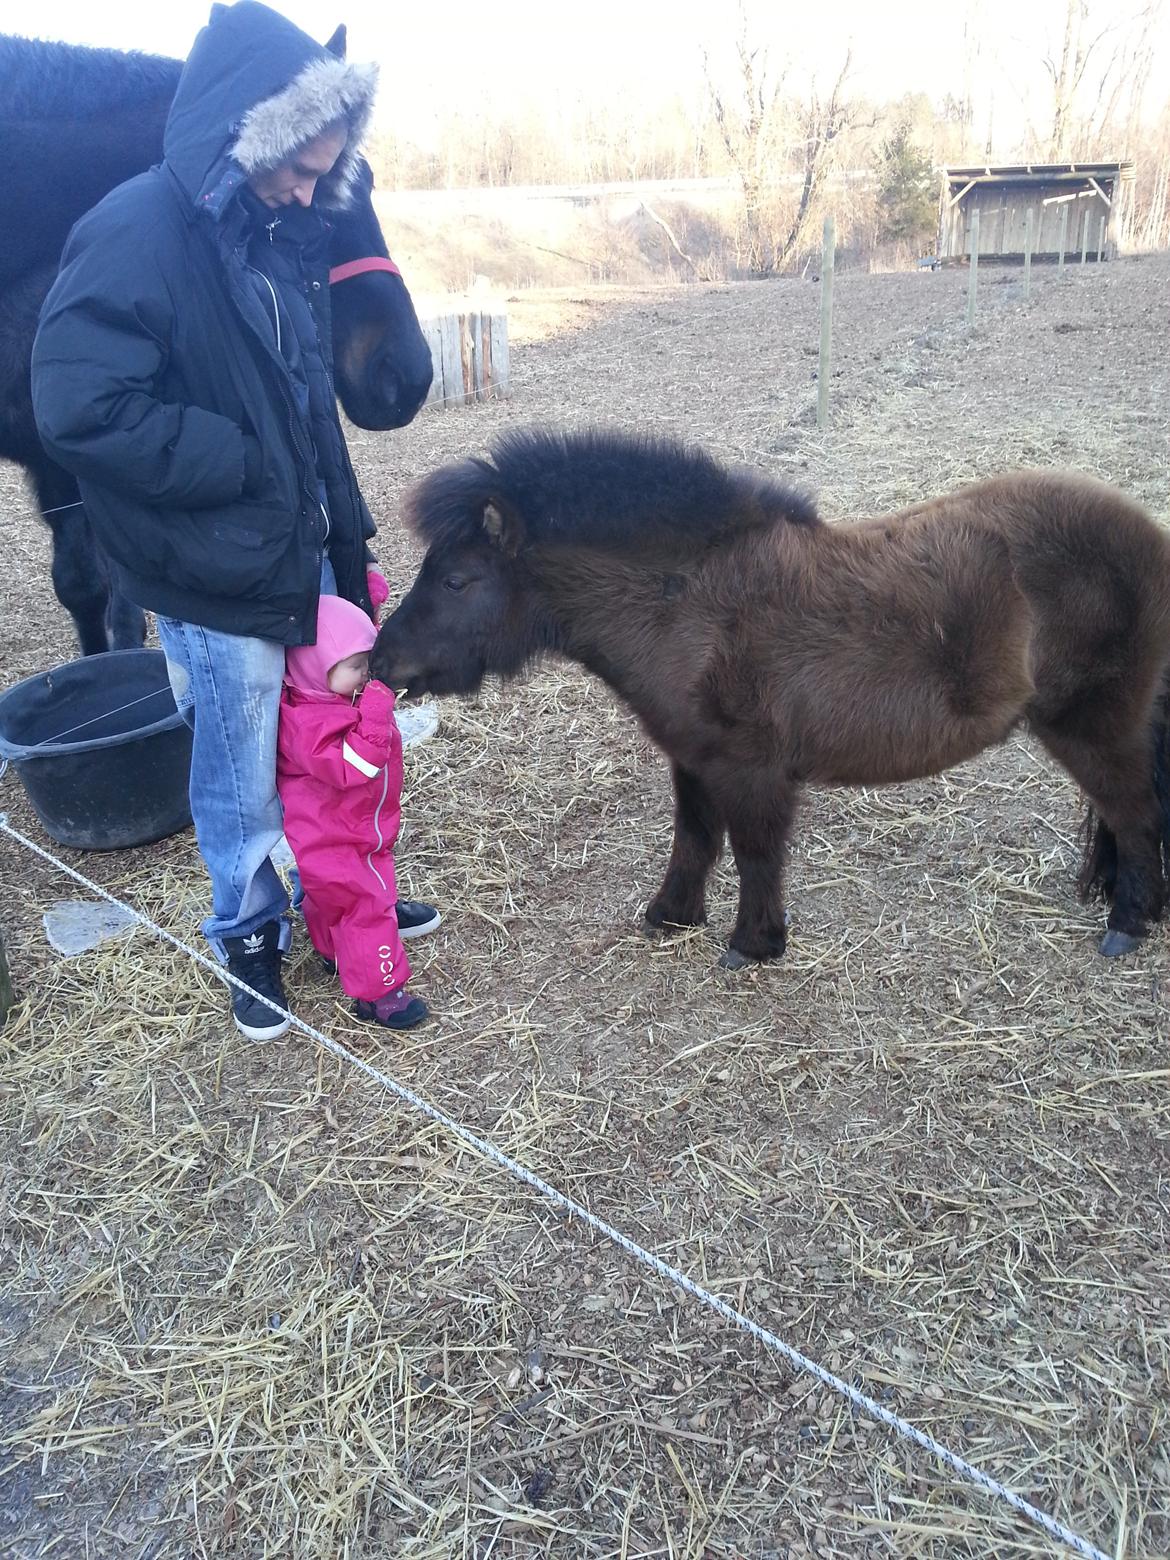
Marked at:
<point>157,379</point>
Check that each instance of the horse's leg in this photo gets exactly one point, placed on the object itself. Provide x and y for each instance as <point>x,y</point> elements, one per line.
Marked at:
<point>79,577</point>
<point>758,829</point>
<point>127,624</point>
<point>125,621</point>
<point>698,839</point>
<point>1123,861</point>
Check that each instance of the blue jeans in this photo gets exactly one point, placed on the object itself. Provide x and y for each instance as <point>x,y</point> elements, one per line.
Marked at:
<point>227,689</point>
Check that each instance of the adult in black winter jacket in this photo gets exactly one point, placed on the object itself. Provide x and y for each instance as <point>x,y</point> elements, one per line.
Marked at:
<point>157,377</point>
<point>182,373</point>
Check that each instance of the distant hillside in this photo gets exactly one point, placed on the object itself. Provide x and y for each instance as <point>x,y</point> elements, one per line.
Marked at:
<point>561,236</point>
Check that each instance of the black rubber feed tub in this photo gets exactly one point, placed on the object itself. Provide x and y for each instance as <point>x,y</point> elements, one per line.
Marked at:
<point>103,754</point>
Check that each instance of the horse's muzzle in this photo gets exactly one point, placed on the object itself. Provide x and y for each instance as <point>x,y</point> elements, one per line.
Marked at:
<point>387,395</point>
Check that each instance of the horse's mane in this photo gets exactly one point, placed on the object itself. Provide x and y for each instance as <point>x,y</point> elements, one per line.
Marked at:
<point>613,491</point>
<point>70,81</point>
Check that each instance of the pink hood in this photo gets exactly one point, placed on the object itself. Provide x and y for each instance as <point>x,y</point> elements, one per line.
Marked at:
<point>342,630</point>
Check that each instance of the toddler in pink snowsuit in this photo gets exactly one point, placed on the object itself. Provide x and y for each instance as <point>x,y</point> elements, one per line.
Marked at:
<point>339,775</point>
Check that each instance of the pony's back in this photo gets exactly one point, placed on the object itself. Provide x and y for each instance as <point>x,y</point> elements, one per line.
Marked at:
<point>615,492</point>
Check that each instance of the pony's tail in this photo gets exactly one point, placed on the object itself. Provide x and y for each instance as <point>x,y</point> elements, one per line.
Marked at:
<point>1098,874</point>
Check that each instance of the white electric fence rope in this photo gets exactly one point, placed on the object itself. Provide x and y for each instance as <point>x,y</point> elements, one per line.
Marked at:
<point>577,1210</point>
<point>48,742</point>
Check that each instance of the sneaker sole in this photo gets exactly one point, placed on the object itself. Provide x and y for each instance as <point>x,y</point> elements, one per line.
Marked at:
<point>269,1032</point>
<point>421,931</point>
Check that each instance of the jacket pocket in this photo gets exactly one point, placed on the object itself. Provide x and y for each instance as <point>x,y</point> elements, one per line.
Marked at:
<point>248,550</point>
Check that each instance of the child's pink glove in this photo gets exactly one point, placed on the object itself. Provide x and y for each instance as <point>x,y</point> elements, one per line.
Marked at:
<point>376,707</point>
<point>379,590</point>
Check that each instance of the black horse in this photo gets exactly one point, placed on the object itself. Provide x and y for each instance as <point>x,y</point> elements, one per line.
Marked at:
<point>76,122</point>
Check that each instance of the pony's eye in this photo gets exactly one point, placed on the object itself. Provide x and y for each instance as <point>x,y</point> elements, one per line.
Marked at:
<point>455,582</point>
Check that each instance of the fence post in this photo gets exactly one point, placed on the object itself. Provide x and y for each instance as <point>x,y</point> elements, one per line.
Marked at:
<point>973,276</point>
<point>828,257</point>
<point>1063,235</point>
<point>1029,220</point>
<point>1100,240</point>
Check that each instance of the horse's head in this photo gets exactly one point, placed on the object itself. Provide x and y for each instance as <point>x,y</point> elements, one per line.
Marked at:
<point>381,359</point>
<point>472,610</point>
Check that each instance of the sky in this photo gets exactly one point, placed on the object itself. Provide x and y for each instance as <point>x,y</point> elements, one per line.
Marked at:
<point>435,57</point>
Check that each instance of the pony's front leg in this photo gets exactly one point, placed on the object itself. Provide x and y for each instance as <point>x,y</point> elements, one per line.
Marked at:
<point>758,827</point>
<point>698,840</point>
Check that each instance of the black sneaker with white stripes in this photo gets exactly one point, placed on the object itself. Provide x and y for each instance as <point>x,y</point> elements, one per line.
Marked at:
<point>255,960</point>
<point>416,919</point>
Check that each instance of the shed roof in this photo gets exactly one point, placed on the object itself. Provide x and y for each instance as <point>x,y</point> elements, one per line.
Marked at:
<point>1038,173</point>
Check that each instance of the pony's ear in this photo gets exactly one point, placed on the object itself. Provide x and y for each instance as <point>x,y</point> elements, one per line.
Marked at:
<point>216,12</point>
<point>503,526</point>
<point>336,44</point>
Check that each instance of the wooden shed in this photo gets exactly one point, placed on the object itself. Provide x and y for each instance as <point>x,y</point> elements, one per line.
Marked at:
<point>1096,196</point>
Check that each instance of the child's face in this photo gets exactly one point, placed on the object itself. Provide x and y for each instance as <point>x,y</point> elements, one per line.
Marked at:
<point>351,675</point>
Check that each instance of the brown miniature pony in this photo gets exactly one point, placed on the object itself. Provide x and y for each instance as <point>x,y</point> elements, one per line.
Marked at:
<point>764,650</point>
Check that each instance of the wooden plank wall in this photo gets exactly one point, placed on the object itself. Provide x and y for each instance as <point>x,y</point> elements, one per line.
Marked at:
<point>1003,214</point>
<point>470,356</point>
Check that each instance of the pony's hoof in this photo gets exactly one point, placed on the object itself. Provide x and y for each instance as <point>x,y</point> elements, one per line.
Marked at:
<point>1115,943</point>
<point>732,959</point>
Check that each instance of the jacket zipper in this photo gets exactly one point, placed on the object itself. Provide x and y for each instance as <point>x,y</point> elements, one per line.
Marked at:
<point>270,228</point>
<point>276,325</point>
<point>275,306</point>
<point>378,826</point>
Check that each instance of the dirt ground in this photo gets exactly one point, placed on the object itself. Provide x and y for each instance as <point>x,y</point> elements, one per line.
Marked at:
<point>250,1306</point>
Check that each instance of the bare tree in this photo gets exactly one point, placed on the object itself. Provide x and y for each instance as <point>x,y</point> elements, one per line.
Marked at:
<point>824,123</point>
<point>972,47</point>
<point>1124,81</point>
<point>1121,67</point>
<point>745,127</point>
<point>763,135</point>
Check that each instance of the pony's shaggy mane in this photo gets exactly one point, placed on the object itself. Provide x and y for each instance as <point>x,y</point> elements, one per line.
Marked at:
<point>613,491</point>
<point>71,81</point>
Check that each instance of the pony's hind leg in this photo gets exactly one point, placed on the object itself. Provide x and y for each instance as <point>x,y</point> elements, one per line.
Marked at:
<point>1123,848</point>
<point>698,840</point>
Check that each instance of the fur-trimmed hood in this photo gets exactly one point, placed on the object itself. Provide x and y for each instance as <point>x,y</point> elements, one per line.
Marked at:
<point>254,89</point>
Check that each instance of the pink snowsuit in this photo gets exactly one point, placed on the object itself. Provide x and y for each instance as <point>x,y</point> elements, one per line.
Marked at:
<point>339,775</point>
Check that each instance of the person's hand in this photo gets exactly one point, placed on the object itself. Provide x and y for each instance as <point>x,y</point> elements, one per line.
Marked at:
<point>376,696</point>
<point>379,590</point>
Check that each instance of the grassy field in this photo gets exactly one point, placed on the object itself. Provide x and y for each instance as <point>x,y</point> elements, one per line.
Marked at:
<point>251,1307</point>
